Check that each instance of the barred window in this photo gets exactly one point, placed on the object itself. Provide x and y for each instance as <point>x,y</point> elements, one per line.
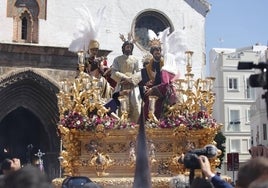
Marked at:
<point>149,20</point>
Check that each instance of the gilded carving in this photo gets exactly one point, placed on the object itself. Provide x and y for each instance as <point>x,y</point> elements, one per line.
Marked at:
<point>103,149</point>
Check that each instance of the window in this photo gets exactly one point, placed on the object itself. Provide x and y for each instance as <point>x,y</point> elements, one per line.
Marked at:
<point>232,84</point>
<point>247,116</point>
<point>24,25</point>
<point>149,20</point>
<point>235,145</point>
<point>257,135</point>
<point>249,90</point>
<point>234,121</point>
<point>264,130</point>
<point>244,146</point>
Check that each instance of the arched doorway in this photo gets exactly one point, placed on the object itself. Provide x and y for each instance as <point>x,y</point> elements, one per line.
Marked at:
<point>22,134</point>
<point>28,117</point>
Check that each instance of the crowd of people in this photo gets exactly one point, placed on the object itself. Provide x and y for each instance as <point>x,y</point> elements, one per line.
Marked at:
<point>253,174</point>
<point>14,175</point>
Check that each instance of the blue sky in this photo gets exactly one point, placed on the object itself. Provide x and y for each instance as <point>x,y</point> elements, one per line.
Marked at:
<point>236,23</point>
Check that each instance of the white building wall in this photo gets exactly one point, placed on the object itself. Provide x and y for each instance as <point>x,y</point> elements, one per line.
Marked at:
<point>259,120</point>
<point>57,30</point>
<point>223,65</point>
<point>259,113</point>
<point>6,24</point>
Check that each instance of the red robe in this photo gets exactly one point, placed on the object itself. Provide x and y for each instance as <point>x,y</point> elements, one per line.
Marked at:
<point>161,87</point>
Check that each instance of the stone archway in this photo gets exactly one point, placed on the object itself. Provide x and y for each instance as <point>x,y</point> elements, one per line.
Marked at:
<point>29,115</point>
<point>21,135</point>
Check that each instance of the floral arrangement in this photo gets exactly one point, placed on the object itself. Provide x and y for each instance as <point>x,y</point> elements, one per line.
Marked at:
<point>192,121</point>
<point>74,120</point>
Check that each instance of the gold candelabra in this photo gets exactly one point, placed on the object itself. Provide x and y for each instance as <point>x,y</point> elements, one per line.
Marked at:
<point>82,95</point>
<point>193,95</point>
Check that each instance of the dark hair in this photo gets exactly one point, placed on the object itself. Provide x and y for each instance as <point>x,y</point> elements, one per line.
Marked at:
<point>6,164</point>
<point>127,43</point>
<point>94,65</point>
<point>153,48</point>
<point>252,170</point>
<point>27,177</point>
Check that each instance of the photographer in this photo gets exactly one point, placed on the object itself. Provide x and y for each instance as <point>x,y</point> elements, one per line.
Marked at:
<point>9,166</point>
<point>206,169</point>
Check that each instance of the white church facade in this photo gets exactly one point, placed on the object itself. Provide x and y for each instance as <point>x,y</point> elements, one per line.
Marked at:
<point>52,23</point>
<point>34,58</point>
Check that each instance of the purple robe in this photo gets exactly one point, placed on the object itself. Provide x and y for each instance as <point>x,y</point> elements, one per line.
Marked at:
<point>164,91</point>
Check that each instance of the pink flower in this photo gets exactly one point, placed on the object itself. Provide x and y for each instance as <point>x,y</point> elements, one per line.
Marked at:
<point>75,120</point>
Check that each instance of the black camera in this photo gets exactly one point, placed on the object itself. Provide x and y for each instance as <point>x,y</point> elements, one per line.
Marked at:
<point>257,80</point>
<point>190,159</point>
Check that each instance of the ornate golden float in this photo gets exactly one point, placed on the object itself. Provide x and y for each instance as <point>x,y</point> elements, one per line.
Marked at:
<point>103,147</point>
